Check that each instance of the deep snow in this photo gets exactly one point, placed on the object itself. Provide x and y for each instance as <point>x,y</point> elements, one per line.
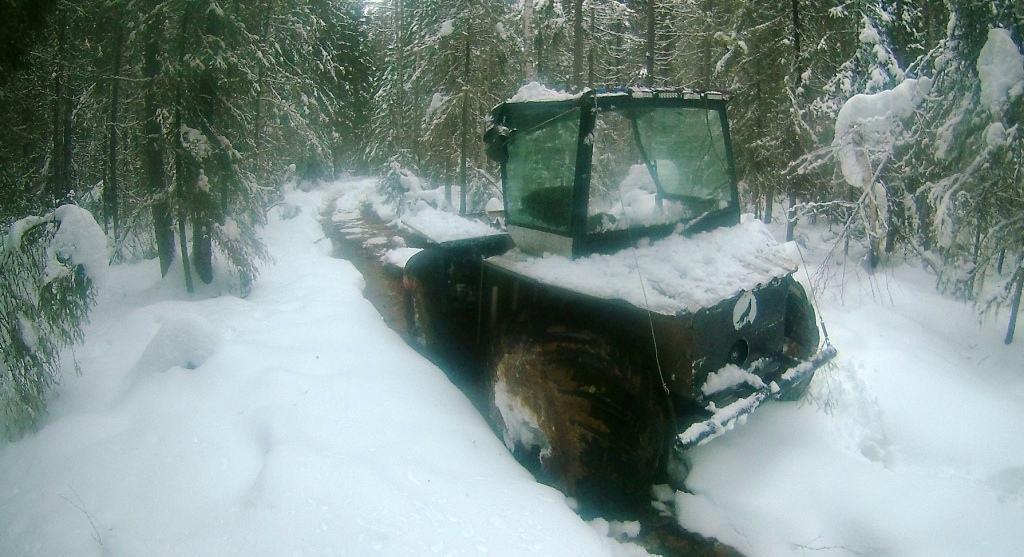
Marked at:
<point>295,422</point>
<point>911,444</point>
<point>291,422</point>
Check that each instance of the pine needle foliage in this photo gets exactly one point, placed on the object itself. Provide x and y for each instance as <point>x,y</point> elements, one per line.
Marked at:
<point>44,301</point>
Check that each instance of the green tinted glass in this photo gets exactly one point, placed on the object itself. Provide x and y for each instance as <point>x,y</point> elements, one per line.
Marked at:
<point>686,147</point>
<point>540,172</point>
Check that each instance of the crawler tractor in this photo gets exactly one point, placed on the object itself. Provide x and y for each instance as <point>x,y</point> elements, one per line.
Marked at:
<point>628,313</point>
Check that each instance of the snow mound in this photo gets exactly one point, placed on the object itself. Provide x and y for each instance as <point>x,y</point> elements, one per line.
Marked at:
<point>310,429</point>
<point>534,91</point>
<point>184,341</point>
<point>79,240</point>
<point>1000,70</point>
<point>398,257</point>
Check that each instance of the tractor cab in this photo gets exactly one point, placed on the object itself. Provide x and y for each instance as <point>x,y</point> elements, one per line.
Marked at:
<point>594,172</point>
<point>613,355</point>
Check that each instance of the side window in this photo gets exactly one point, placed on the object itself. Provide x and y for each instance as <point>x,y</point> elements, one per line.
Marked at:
<point>540,172</point>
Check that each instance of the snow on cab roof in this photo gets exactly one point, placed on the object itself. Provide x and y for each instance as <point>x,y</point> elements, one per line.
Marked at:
<point>535,92</point>
<point>679,273</point>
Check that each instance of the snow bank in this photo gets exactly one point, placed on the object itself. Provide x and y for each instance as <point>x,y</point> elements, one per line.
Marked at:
<point>670,276</point>
<point>306,428</point>
<point>1000,70</point>
<point>184,341</point>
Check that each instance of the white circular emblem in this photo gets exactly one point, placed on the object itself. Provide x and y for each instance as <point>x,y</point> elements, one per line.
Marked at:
<point>745,311</point>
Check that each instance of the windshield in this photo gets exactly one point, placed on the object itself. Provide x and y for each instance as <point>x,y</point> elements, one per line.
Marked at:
<point>657,165</point>
<point>596,164</point>
<point>686,148</point>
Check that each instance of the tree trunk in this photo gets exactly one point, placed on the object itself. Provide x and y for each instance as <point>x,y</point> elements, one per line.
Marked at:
<point>591,77</point>
<point>59,186</point>
<point>110,190</point>
<point>257,142</point>
<point>208,207</point>
<point>67,115</point>
<point>924,220</point>
<point>529,65</point>
<point>400,104</point>
<point>184,255</point>
<point>708,33</point>
<point>577,45</point>
<point>650,42</point>
<point>890,225</point>
<point>464,148</point>
<point>202,249</point>
<point>1014,308</point>
<point>153,150</point>
<point>795,151</point>
<point>796,32</point>
<point>183,183</point>
<point>791,217</point>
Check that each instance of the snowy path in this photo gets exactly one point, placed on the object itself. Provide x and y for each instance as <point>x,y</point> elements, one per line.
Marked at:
<point>295,422</point>
<point>292,422</point>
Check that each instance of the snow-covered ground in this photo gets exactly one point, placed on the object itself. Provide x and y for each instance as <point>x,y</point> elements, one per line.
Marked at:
<point>911,444</point>
<point>294,422</point>
<point>291,422</point>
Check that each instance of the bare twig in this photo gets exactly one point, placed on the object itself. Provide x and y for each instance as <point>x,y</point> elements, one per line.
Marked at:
<point>93,521</point>
<point>809,547</point>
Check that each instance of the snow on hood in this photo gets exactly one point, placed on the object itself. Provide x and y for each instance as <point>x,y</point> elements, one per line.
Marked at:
<point>670,276</point>
<point>441,226</point>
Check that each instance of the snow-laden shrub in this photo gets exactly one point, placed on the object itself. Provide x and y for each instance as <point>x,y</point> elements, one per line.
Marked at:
<point>48,266</point>
<point>399,177</point>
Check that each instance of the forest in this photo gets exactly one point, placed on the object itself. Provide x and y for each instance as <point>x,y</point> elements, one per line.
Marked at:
<point>173,122</point>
